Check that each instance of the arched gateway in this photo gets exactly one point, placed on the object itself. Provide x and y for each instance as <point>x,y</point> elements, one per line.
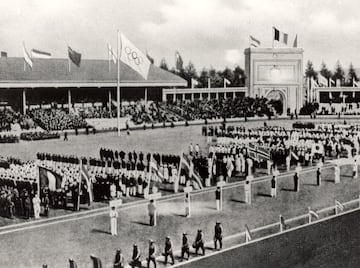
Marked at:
<point>277,74</point>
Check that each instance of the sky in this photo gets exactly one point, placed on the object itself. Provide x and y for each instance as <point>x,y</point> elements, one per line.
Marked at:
<point>207,32</point>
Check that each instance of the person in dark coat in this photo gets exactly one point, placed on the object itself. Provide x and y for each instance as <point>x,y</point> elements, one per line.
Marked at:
<point>218,235</point>
<point>199,242</point>
<point>136,262</point>
<point>185,249</point>
<point>72,264</point>
<point>169,251</point>
<point>96,262</point>
<point>119,261</point>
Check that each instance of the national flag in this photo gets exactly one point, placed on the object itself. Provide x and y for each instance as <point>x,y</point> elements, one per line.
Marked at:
<point>49,179</point>
<point>3,54</point>
<point>40,54</point>
<point>294,155</point>
<point>295,44</point>
<point>313,83</point>
<point>87,181</point>
<point>248,235</point>
<point>178,61</point>
<point>313,213</point>
<point>112,54</point>
<point>27,57</point>
<point>254,42</point>
<point>151,59</point>
<point>339,205</point>
<point>134,58</point>
<point>226,82</point>
<point>280,36</point>
<point>74,56</point>
<point>322,80</point>
<point>258,153</point>
<point>187,166</point>
<point>194,83</point>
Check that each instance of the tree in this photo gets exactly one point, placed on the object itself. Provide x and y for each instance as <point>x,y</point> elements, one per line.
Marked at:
<point>310,72</point>
<point>216,80</point>
<point>163,65</point>
<point>203,78</point>
<point>239,77</point>
<point>228,74</point>
<point>339,72</point>
<point>189,72</point>
<point>352,76</point>
<point>324,71</point>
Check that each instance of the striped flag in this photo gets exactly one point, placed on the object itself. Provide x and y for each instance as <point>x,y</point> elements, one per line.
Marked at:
<point>49,179</point>
<point>27,57</point>
<point>178,61</point>
<point>254,42</point>
<point>40,54</point>
<point>280,36</point>
<point>86,178</point>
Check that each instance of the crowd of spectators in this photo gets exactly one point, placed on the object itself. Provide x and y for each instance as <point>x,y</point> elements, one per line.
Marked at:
<point>56,119</point>
<point>9,138</point>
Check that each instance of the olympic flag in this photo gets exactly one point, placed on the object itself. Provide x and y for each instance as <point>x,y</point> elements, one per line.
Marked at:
<point>134,58</point>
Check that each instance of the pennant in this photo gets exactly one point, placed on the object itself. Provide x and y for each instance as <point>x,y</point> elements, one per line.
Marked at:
<point>254,42</point>
<point>356,83</point>
<point>74,56</point>
<point>27,57</point>
<point>178,61</point>
<point>295,44</point>
<point>40,54</point>
<point>331,82</point>
<point>339,205</point>
<point>134,58</point>
<point>313,83</point>
<point>112,54</point>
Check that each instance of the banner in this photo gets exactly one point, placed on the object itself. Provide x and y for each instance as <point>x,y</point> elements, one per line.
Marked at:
<point>49,179</point>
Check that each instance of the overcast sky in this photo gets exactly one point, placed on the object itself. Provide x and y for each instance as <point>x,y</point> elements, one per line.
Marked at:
<point>207,32</point>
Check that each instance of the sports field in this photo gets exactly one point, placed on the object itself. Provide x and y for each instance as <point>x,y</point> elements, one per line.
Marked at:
<point>78,237</point>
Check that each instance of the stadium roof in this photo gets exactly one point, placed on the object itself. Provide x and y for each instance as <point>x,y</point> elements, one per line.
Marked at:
<point>91,73</point>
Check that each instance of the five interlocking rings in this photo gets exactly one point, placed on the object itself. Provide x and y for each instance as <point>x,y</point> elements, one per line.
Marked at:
<point>133,56</point>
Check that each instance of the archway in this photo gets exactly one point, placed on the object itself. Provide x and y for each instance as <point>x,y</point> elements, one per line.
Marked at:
<point>277,100</point>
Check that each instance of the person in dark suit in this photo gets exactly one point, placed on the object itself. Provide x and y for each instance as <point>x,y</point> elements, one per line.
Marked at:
<point>119,261</point>
<point>185,249</point>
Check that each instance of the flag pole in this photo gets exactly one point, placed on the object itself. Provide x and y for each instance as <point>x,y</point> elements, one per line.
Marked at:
<point>108,58</point>
<point>118,84</point>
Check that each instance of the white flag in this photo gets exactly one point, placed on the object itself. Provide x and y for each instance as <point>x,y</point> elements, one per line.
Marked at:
<point>27,57</point>
<point>194,83</point>
<point>226,82</point>
<point>134,58</point>
<point>112,54</point>
<point>322,80</point>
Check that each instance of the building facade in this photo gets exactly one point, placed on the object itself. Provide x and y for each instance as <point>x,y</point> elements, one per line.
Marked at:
<point>276,74</point>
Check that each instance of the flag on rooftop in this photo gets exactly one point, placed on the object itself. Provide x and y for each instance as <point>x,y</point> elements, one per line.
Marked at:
<point>295,44</point>
<point>40,54</point>
<point>178,61</point>
<point>194,83</point>
<point>27,57</point>
<point>74,56</point>
<point>254,42</point>
<point>134,58</point>
<point>226,82</point>
<point>151,59</point>
<point>280,36</point>
<point>322,80</point>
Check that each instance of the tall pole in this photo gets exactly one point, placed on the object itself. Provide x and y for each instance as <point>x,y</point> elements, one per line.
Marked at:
<point>118,83</point>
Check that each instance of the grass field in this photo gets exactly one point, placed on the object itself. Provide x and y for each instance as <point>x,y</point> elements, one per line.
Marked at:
<point>78,238</point>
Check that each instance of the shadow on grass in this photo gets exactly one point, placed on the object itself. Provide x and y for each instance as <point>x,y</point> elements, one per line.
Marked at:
<point>288,190</point>
<point>141,223</point>
<point>237,201</point>
<point>264,195</point>
<point>100,231</point>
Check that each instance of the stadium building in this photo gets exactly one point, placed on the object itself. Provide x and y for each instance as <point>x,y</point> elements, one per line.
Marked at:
<point>61,83</point>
